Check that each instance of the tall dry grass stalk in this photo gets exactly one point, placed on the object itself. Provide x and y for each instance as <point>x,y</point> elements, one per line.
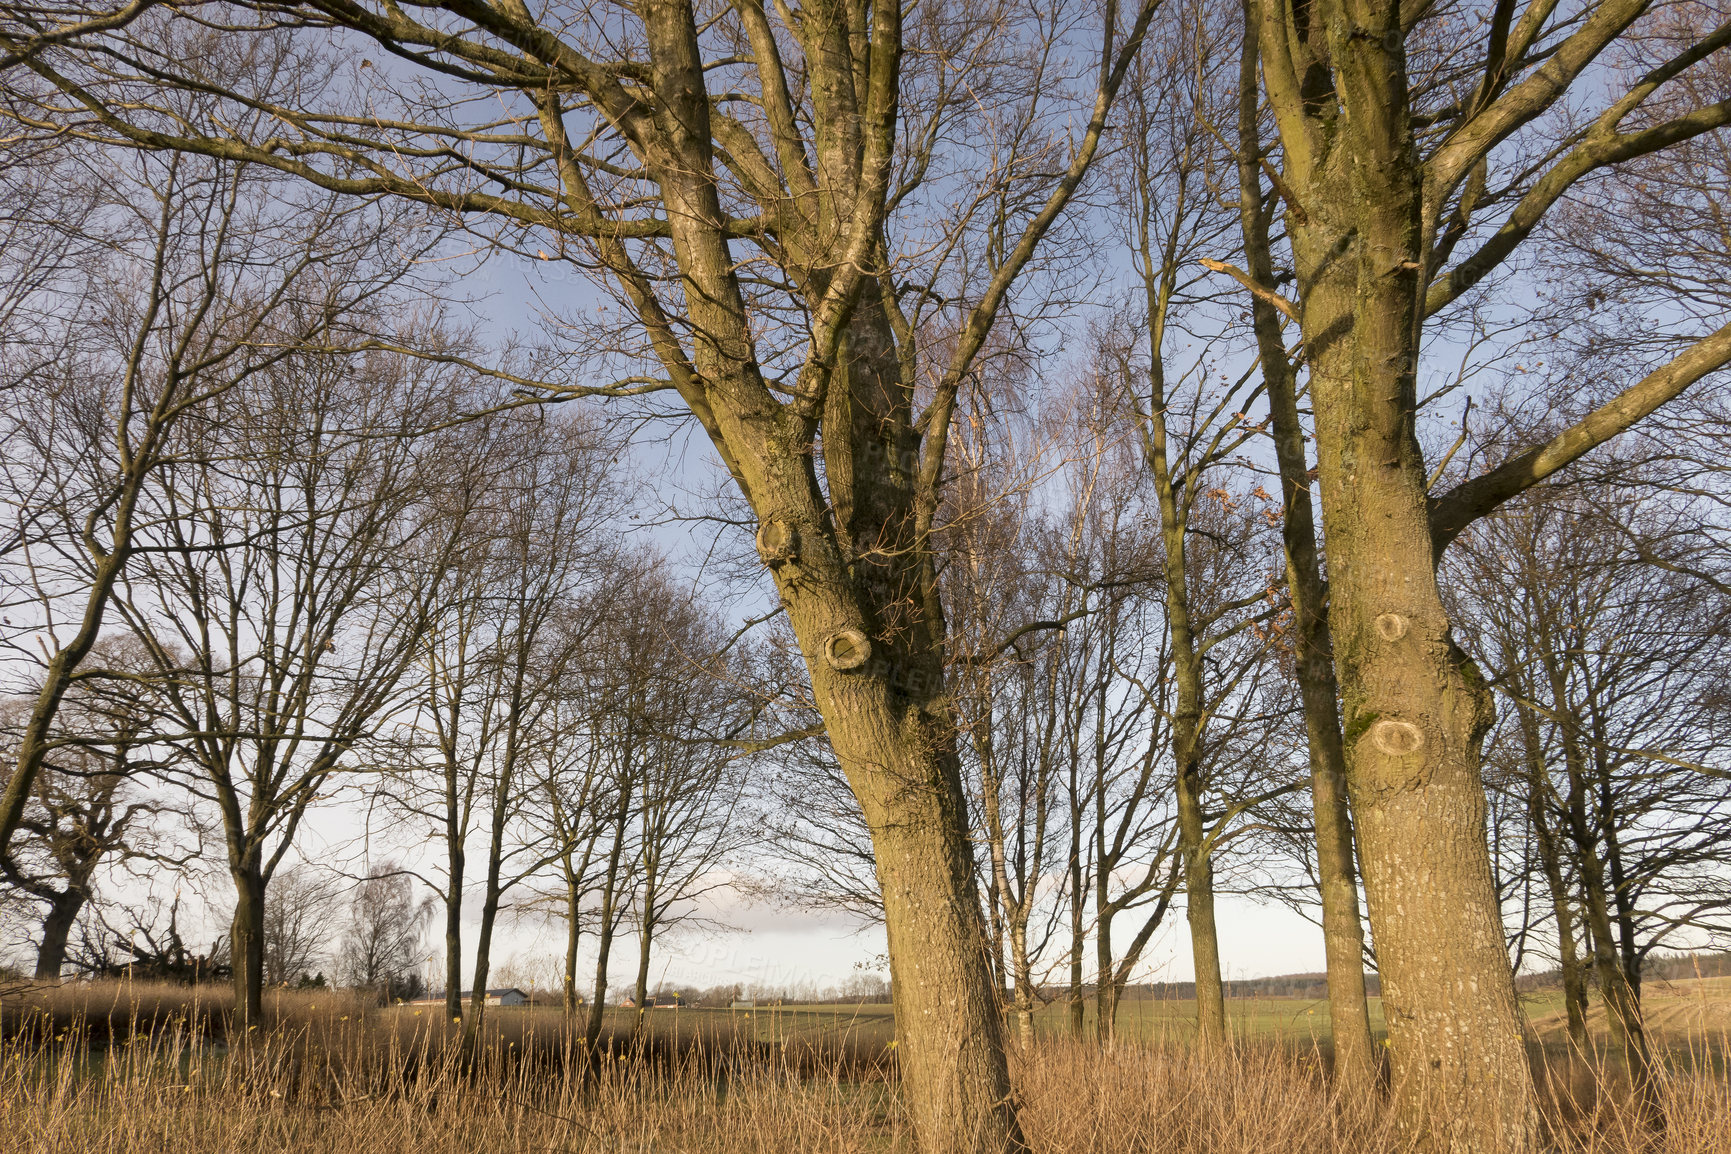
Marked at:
<point>333,1077</point>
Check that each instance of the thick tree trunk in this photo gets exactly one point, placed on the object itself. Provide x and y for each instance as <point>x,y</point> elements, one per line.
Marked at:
<point>56,929</point>
<point>1313,656</point>
<point>1416,713</point>
<point>456,860</point>
<point>1416,710</point>
<point>246,948</point>
<point>948,1027</point>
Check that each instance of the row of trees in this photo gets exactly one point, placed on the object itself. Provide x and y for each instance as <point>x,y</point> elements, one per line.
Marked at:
<point>844,237</point>
<point>311,555</point>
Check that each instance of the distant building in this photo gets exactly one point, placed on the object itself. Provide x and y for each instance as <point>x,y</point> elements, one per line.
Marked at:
<point>655,1002</point>
<point>504,996</point>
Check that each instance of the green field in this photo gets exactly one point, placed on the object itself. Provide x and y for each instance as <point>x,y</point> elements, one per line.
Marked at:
<point>1677,1013</point>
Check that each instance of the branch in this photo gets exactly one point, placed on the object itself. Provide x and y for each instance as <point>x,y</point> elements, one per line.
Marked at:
<point>1016,635</point>
<point>758,745</point>
<point>1267,295</point>
<point>1470,500</point>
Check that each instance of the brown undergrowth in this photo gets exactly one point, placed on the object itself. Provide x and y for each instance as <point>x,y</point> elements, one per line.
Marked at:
<point>331,1076</point>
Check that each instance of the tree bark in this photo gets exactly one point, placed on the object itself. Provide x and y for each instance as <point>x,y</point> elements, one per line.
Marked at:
<point>1355,1064</point>
<point>1199,908</point>
<point>947,1020</point>
<point>454,927</point>
<point>246,948</point>
<point>1416,709</point>
<point>572,911</point>
<point>56,929</point>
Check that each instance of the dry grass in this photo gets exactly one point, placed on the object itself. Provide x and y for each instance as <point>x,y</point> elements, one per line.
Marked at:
<point>331,1076</point>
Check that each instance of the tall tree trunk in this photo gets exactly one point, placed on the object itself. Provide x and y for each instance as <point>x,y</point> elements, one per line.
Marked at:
<point>56,929</point>
<point>604,931</point>
<point>947,1019</point>
<point>454,936</point>
<point>1188,716</point>
<point>572,926</point>
<point>1337,873</point>
<point>1078,916</point>
<point>1416,708</point>
<point>246,947</point>
<point>862,597</point>
<point>1199,911</point>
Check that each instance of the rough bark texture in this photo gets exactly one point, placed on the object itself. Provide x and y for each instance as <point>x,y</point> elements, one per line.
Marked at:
<point>1355,1061</point>
<point>1416,709</point>
<point>891,732</point>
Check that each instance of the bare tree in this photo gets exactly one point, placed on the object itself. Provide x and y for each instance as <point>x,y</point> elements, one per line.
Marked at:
<point>1614,671</point>
<point>294,564</point>
<point>682,705</point>
<point>302,918</point>
<point>629,153</point>
<point>497,655</point>
<point>1391,123</point>
<point>381,949</point>
<point>163,284</point>
<point>93,810</point>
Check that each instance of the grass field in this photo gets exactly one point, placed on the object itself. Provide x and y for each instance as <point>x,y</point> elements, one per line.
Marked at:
<point>117,1069</point>
<point>1675,1011</point>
